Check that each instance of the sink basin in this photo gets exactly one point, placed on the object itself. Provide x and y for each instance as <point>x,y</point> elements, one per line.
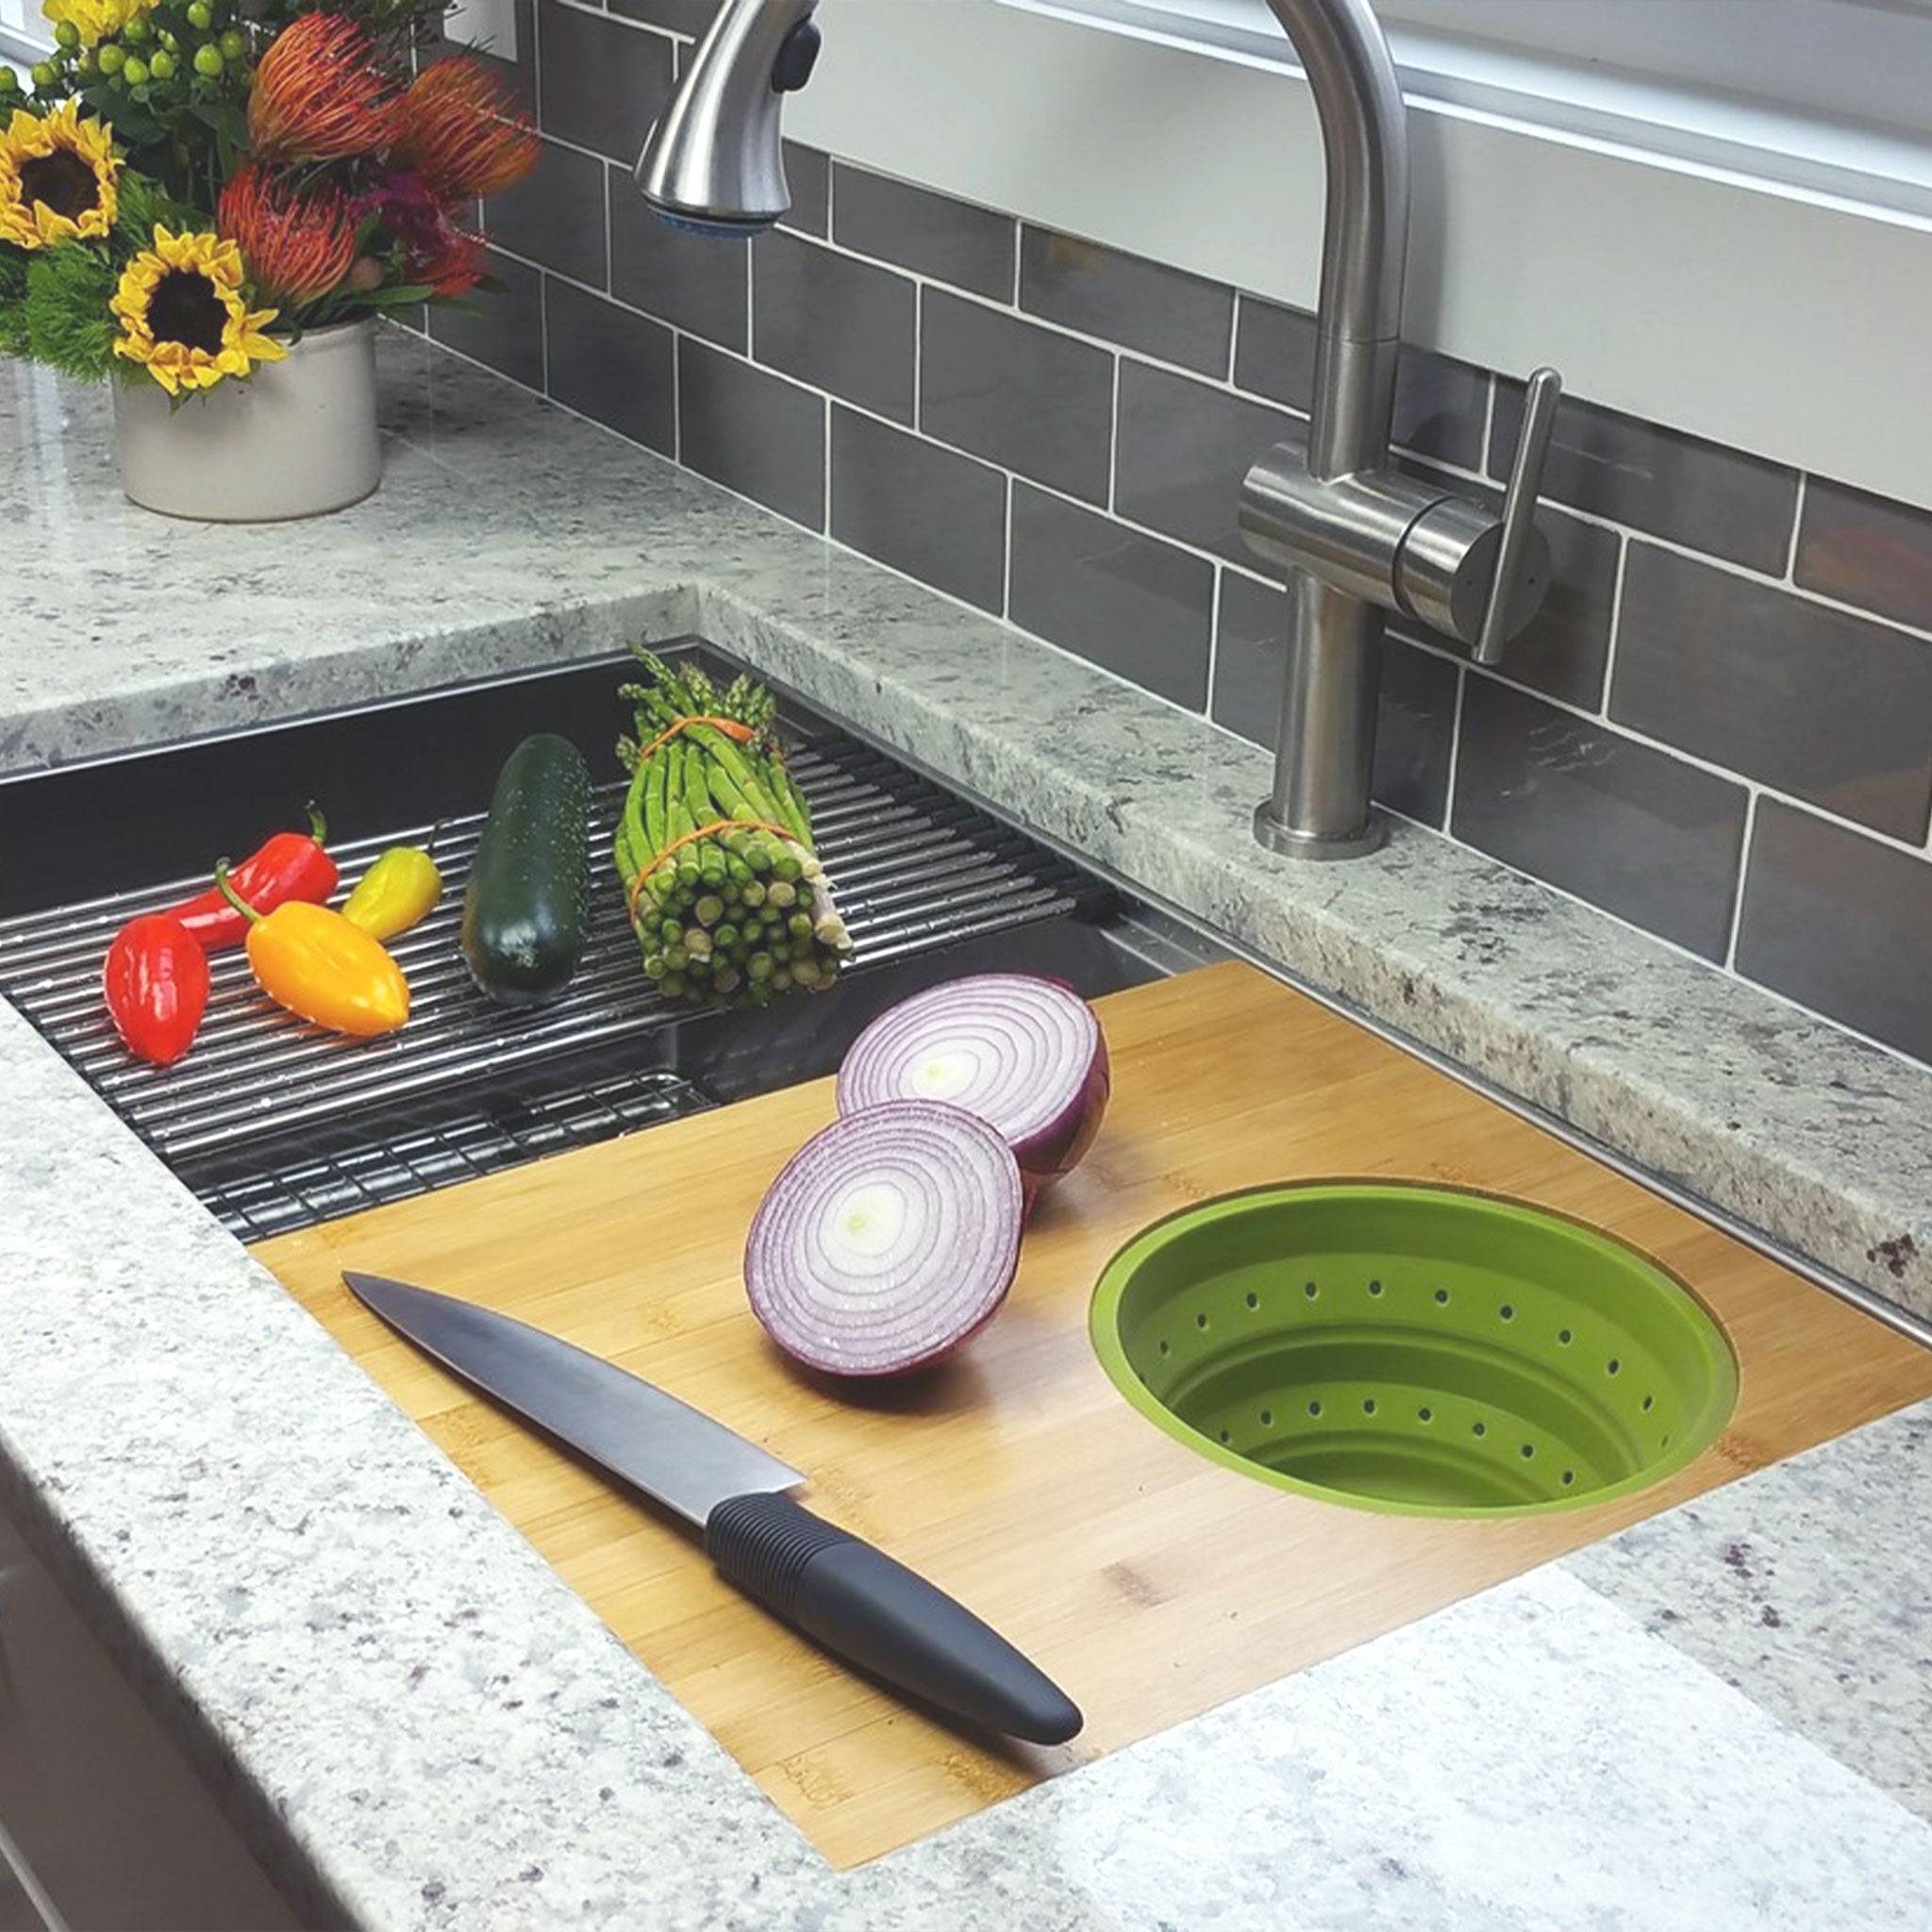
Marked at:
<point>1418,1349</point>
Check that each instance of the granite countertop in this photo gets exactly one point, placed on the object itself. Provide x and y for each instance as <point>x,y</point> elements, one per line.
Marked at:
<point>426,1728</point>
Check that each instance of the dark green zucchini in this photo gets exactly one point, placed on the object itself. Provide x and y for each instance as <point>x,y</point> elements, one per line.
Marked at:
<point>527,909</point>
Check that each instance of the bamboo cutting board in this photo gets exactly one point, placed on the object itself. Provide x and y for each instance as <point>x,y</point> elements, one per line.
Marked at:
<point>1152,1584</point>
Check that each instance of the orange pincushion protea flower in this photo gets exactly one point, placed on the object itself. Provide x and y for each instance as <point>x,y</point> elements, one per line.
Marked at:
<point>458,127</point>
<point>319,94</point>
<point>298,243</point>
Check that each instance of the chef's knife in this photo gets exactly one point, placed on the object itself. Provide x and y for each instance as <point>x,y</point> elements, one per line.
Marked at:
<point>841,1592</point>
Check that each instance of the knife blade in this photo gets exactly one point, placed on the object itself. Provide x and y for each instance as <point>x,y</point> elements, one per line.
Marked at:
<point>849,1597</point>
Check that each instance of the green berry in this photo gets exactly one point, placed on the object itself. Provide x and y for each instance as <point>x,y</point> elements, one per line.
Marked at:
<point>67,34</point>
<point>87,66</point>
<point>135,71</point>
<point>136,31</point>
<point>10,81</point>
<point>170,41</point>
<point>46,73</point>
<point>163,66</point>
<point>201,16</point>
<point>234,45</point>
<point>208,60</point>
<point>111,57</point>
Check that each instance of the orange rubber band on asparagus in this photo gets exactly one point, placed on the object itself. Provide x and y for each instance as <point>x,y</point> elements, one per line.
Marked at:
<point>743,734</point>
<point>637,885</point>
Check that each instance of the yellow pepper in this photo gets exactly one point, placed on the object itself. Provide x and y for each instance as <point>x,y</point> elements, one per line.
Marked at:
<point>312,961</point>
<point>398,889</point>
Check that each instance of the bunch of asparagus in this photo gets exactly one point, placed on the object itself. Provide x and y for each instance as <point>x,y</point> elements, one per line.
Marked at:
<point>726,895</point>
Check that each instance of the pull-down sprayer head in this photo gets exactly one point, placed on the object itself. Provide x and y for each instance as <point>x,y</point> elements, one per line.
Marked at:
<point>713,163</point>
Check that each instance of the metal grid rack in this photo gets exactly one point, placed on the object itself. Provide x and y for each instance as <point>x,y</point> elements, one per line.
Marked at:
<point>277,1124</point>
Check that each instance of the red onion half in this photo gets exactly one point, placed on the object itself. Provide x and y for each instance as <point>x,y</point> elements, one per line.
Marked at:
<point>889,1238</point>
<point>1024,1053</point>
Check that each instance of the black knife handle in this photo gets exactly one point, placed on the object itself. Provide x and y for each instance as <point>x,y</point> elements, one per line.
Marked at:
<point>878,1615</point>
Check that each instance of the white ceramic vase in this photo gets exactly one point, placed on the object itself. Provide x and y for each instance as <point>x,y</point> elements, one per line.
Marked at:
<point>298,438</point>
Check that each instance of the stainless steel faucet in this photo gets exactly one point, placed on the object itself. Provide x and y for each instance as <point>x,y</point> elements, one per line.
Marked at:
<point>1356,537</point>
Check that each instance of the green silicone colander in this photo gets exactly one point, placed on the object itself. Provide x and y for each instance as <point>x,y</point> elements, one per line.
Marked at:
<point>1418,1349</point>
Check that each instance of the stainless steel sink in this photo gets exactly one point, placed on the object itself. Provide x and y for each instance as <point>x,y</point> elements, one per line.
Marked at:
<point>276,1125</point>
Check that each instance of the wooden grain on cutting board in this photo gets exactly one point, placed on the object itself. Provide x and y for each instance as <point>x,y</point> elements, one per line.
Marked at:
<point>1152,1584</point>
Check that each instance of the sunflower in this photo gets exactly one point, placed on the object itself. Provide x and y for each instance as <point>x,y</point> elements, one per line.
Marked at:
<point>57,178</point>
<point>96,20</point>
<point>183,314</point>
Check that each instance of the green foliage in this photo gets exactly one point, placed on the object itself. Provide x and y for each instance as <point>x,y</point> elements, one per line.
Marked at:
<point>12,301</point>
<point>69,325</point>
<point>145,206</point>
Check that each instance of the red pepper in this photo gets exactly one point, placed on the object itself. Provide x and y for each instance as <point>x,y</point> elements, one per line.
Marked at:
<point>292,865</point>
<point>156,980</point>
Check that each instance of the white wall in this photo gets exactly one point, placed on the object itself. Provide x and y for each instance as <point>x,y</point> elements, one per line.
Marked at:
<point>1770,318</point>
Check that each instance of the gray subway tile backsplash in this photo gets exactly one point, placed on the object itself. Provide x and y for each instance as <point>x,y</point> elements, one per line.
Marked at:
<point>1128,602</point>
<point>555,217</point>
<point>506,332</point>
<point>1125,299</point>
<point>934,514</point>
<point>1568,800</point>
<point>1022,396</point>
<point>1842,924</point>
<point>1826,707</point>
<point>613,364</point>
<point>1727,678</point>
<point>756,433</point>
<point>1441,406</point>
<point>697,283</point>
<point>1866,550</point>
<point>933,235</point>
<point>1184,448</point>
<point>1416,714</point>
<point>1677,486</point>
<point>601,82</point>
<point>835,321</point>
<point>808,175</point>
<point>692,17</point>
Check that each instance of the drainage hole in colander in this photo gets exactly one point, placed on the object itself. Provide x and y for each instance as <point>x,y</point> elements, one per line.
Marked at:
<point>1564,1336</point>
<point>1442,1297</point>
<point>1508,1312</point>
<point>1480,1429</point>
<point>1374,1287</point>
<point>1368,1405</point>
<point>1528,1450</point>
<point>1310,1290</point>
<point>1649,1403</point>
<point>1569,1475</point>
<point>1267,1418</point>
<point>1225,1437</point>
<point>1200,1321</point>
<point>1613,1367</point>
<point>1314,1408</point>
<point>1163,1348</point>
<point>1425,1415</point>
<point>1254,1299</point>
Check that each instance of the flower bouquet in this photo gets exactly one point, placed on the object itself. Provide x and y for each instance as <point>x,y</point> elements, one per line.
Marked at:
<point>191,191</point>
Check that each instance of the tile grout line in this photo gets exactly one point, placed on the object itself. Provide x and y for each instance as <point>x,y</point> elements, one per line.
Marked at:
<point>1736,918</point>
<point>1790,576</point>
<point>1603,696</point>
<point>1213,641</point>
<point>1455,754</point>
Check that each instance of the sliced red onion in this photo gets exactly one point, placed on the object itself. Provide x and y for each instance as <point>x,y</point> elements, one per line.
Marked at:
<point>889,1238</point>
<point>1026,1055</point>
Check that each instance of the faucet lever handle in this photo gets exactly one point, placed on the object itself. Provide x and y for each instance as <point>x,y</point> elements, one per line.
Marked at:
<point>1540,396</point>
